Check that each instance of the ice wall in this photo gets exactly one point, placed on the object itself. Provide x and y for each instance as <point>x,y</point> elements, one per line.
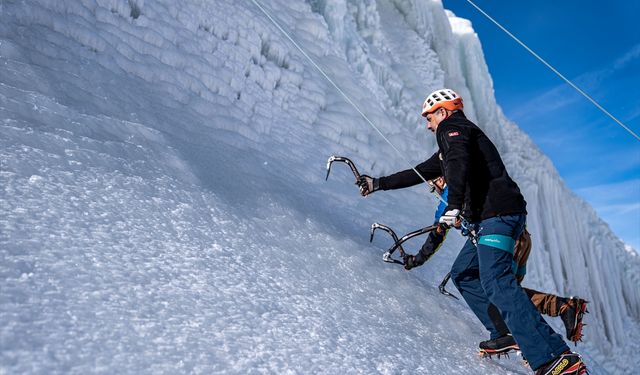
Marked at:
<point>213,95</point>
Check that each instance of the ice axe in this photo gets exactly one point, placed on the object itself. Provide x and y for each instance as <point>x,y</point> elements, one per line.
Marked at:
<point>442,285</point>
<point>343,159</point>
<point>387,256</point>
<point>398,245</point>
<point>397,242</point>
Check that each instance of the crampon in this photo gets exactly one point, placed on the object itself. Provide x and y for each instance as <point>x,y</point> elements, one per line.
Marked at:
<point>572,313</point>
<point>503,352</point>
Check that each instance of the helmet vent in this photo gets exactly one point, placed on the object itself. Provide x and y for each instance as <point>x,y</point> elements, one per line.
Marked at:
<point>446,95</point>
<point>444,98</point>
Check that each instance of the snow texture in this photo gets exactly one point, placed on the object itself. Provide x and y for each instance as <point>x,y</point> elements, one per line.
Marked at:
<point>164,210</point>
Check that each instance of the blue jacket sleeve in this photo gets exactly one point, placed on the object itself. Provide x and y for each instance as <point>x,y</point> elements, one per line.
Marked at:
<point>441,206</point>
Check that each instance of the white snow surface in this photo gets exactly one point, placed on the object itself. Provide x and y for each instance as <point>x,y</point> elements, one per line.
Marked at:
<point>164,209</point>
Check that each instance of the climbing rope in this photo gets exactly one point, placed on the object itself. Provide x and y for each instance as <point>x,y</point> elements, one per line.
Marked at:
<point>346,97</point>
<point>555,70</point>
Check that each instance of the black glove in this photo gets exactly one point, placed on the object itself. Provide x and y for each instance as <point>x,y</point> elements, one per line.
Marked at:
<point>411,261</point>
<point>367,184</point>
<point>441,230</point>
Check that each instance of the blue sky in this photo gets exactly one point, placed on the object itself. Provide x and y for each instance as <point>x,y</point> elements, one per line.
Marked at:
<point>596,45</point>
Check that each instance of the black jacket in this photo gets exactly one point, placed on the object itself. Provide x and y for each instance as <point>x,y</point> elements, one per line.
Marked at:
<point>479,184</point>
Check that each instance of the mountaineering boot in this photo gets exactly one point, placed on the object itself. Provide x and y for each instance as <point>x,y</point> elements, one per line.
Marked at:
<point>571,313</point>
<point>567,363</point>
<point>501,345</point>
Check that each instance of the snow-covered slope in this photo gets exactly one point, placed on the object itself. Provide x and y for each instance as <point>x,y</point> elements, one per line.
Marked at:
<point>164,208</point>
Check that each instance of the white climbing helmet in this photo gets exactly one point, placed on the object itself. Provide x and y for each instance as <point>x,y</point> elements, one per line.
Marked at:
<point>443,98</point>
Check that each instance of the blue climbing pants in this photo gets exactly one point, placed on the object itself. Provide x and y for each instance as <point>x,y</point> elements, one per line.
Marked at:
<point>484,275</point>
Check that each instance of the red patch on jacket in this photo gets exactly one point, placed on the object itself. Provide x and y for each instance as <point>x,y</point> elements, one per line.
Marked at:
<point>454,134</point>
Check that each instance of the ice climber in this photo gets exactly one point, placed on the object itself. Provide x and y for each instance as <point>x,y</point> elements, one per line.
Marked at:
<point>569,309</point>
<point>483,195</point>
